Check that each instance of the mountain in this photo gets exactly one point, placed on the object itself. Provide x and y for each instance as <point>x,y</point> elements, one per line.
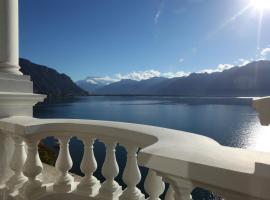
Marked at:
<point>91,84</point>
<point>48,81</point>
<point>249,80</point>
<point>132,87</point>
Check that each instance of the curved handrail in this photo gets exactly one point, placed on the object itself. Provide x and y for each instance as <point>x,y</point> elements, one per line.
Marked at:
<point>169,152</point>
<point>142,135</point>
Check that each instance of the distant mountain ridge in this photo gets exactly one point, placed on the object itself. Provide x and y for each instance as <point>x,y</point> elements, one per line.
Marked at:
<point>91,84</point>
<point>249,80</point>
<point>48,81</point>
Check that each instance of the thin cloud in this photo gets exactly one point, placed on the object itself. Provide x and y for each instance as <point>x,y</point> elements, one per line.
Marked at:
<point>147,74</point>
<point>243,61</point>
<point>219,68</point>
<point>181,60</point>
<point>137,76</point>
<point>104,80</point>
<point>144,75</point>
<point>265,53</point>
<point>159,12</point>
<point>140,75</point>
<point>175,74</point>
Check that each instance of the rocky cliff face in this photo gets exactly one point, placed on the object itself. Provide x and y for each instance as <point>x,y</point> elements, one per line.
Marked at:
<point>48,81</point>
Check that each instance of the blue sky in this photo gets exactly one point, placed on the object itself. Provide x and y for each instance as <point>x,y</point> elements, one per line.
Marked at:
<point>126,38</point>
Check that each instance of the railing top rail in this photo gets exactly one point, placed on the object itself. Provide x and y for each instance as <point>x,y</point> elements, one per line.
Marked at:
<point>141,135</point>
<point>176,153</point>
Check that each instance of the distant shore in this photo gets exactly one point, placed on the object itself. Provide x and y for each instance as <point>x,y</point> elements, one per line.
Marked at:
<point>195,100</point>
<point>150,95</point>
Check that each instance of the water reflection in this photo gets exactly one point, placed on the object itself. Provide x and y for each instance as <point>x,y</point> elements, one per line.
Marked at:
<point>230,121</point>
<point>259,138</point>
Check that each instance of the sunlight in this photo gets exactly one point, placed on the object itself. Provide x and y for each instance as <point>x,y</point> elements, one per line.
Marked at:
<point>259,139</point>
<point>260,4</point>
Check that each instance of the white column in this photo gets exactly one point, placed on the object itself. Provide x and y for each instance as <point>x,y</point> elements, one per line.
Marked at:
<point>22,100</point>
<point>9,37</point>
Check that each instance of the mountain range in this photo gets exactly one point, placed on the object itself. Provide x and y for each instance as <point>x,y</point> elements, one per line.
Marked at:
<point>50,82</point>
<point>249,80</point>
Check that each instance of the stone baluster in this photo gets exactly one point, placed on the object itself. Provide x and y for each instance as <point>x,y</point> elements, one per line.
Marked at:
<point>16,164</point>
<point>110,189</point>
<point>154,186</point>
<point>182,188</point>
<point>182,193</point>
<point>170,194</point>
<point>31,169</point>
<point>89,185</point>
<point>64,182</point>
<point>132,175</point>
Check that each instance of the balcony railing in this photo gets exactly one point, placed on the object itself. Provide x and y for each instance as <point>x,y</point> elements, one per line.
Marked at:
<point>183,160</point>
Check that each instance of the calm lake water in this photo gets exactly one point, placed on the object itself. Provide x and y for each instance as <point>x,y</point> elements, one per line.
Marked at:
<point>230,121</point>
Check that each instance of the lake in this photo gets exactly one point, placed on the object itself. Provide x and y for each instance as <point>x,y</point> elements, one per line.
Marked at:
<point>230,121</point>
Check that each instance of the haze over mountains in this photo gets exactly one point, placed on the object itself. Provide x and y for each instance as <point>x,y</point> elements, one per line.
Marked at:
<point>249,80</point>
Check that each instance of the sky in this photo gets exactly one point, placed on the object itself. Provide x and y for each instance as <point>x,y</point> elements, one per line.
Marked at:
<point>139,39</point>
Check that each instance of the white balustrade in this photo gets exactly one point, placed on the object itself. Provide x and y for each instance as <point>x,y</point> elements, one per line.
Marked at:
<point>32,168</point>
<point>16,164</point>
<point>64,182</point>
<point>131,175</point>
<point>110,189</point>
<point>189,156</point>
<point>154,186</point>
<point>191,162</point>
<point>89,185</point>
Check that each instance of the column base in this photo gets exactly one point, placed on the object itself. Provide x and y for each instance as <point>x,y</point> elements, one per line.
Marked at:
<point>10,69</point>
<point>16,99</point>
<point>132,195</point>
<point>65,187</point>
<point>109,194</point>
<point>89,189</point>
<point>32,192</point>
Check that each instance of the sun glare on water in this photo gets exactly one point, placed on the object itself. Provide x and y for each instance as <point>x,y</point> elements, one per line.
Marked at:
<point>260,4</point>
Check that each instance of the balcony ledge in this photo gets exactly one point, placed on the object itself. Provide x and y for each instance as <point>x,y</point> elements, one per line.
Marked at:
<point>171,152</point>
